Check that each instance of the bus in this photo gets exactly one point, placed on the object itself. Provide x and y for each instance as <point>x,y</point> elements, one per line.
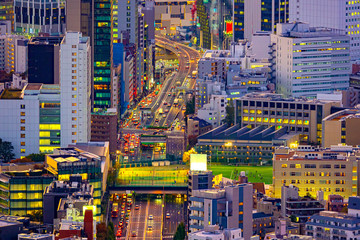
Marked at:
<point>115,210</point>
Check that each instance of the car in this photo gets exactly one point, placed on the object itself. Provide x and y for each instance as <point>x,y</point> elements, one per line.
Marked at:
<point>151,217</point>
<point>166,110</point>
<point>165,103</point>
<point>133,234</point>
<point>118,234</point>
<point>164,115</point>
<point>167,215</point>
<point>137,207</point>
<point>149,228</point>
<point>156,120</point>
<point>120,224</point>
<point>169,94</point>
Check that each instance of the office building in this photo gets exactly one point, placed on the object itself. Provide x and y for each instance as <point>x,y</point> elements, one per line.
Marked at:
<point>229,207</point>
<point>127,16</point>
<point>43,60</point>
<point>334,225</point>
<point>341,127</point>
<point>196,126</point>
<point>23,191</point>
<point>331,170</point>
<point>282,232</point>
<point>298,209</point>
<point>335,203</point>
<point>213,233</point>
<point>243,145</point>
<point>75,188</point>
<point>298,48</point>
<point>104,127</point>
<point>89,160</point>
<point>5,27</point>
<point>214,112</point>
<point>251,16</point>
<point>32,119</point>
<point>79,16</point>
<point>11,226</point>
<point>31,17</point>
<point>103,69</point>
<point>204,89</point>
<point>12,55</point>
<point>336,14</point>
<point>300,116</point>
<point>75,79</point>
<point>7,13</point>
<point>35,236</point>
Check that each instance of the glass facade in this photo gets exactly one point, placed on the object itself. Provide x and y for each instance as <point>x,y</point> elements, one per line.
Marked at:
<point>102,53</point>
<point>7,11</point>
<point>49,134</point>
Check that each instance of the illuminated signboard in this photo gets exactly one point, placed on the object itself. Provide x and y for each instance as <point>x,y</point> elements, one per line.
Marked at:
<point>229,27</point>
<point>198,162</point>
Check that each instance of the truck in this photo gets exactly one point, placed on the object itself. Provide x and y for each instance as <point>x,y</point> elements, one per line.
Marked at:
<point>115,210</point>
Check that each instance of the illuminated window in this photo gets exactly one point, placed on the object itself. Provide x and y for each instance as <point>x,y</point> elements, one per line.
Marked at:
<point>73,133</point>
<point>74,60</point>
<point>22,150</point>
<point>246,118</point>
<point>73,71</point>
<point>284,165</point>
<point>73,46</point>
<point>73,65</point>
<point>74,119</point>
<point>22,128</point>
<point>73,83</point>
<point>44,134</point>
<point>266,120</point>
<point>44,142</point>
<point>22,120</point>
<point>73,126</point>
<point>74,77</point>
<point>73,141</point>
<point>272,120</point>
<point>73,111</point>
<point>245,111</point>
<point>74,88</point>
<point>298,166</point>
<point>74,54</point>
<point>258,111</point>
<point>286,121</point>
<point>22,106</point>
<point>73,104</point>
<point>258,119</point>
<point>22,114</point>
<point>22,143</point>
<point>73,96</point>
<point>252,111</point>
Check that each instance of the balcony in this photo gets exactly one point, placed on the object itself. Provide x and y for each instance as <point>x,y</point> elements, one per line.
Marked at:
<point>200,209</point>
<point>197,218</point>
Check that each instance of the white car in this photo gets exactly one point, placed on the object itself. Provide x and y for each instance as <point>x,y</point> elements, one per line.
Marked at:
<point>151,217</point>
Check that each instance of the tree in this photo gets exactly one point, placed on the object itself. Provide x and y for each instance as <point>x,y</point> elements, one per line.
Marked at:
<point>21,160</point>
<point>190,106</point>
<point>230,113</point>
<point>180,232</point>
<point>186,155</point>
<point>6,150</point>
<point>36,216</point>
<point>111,232</point>
<point>101,231</point>
<point>37,157</point>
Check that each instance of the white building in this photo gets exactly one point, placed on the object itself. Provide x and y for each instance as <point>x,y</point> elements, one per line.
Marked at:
<point>75,83</point>
<point>310,60</point>
<point>127,18</point>
<point>213,233</point>
<point>21,55</point>
<point>30,118</point>
<point>13,53</point>
<point>214,112</point>
<point>337,14</point>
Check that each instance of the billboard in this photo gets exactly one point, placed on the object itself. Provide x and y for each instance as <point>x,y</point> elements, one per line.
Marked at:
<point>198,162</point>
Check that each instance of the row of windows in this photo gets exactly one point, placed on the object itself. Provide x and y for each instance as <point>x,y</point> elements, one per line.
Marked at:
<point>313,174</point>
<point>336,166</point>
<point>284,181</point>
<point>277,113</point>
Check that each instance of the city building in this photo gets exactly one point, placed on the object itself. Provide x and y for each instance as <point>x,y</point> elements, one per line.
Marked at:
<point>44,60</point>
<point>213,233</point>
<point>32,119</point>
<point>331,170</point>
<point>199,180</point>
<point>341,127</point>
<point>172,14</point>
<point>298,209</point>
<point>103,69</point>
<point>22,192</point>
<point>262,223</point>
<point>75,78</point>
<point>300,116</point>
<point>251,16</point>
<point>197,126</point>
<point>214,112</point>
<point>34,18</point>
<point>104,127</point>
<point>336,14</point>
<point>243,145</point>
<point>12,226</point>
<point>334,225</point>
<point>298,47</point>
<point>7,12</point>
<point>5,26</point>
<point>229,207</point>
<point>35,236</point>
<point>12,54</point>
<point>21,55</point>
<point>335,203</point>
<point>66,162</point>
<point>75,188</point>
<point>282,232</point>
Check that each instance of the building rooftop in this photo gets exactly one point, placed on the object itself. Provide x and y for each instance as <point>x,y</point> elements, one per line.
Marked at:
<point>51,40</point>
<point>12,94</point>
<point>100,149</point>
<point>343,115</point>
<point>261,215</point>
<point>33,236</point>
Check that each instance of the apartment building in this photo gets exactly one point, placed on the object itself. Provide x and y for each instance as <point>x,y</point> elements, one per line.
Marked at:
<point>330,170</point>
<point>300,116</point>
<point>229,207</point>
<point>199,180</point>
<point>334,225</point>
<point>11,53</point>
<point>214,112</point>
<point>75,78</point>
<point>213,233</point>
<point>342,127</point>
<point>310,60</point>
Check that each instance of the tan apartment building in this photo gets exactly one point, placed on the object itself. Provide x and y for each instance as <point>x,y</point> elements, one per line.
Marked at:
<point>301,116</point>
<point>342,127</point>
<point>331,170</point>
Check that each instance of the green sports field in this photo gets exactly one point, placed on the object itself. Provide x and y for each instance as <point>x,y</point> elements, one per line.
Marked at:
<point>254,173</point>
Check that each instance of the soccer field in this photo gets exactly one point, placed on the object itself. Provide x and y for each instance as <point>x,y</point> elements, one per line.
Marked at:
<point>254,173</point>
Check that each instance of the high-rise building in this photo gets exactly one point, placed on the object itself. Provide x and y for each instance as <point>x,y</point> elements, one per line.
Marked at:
<point>33,17</point>
<point>298,48</point>
<point>251,16</point>
<point>43,60</point>
<point>11,54</point>
<point>128,18</point>
<point>229,207</point>
<point>75,83</point>
<point>7,11</point>
<point>102,54</point>
<point>337,14</point>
